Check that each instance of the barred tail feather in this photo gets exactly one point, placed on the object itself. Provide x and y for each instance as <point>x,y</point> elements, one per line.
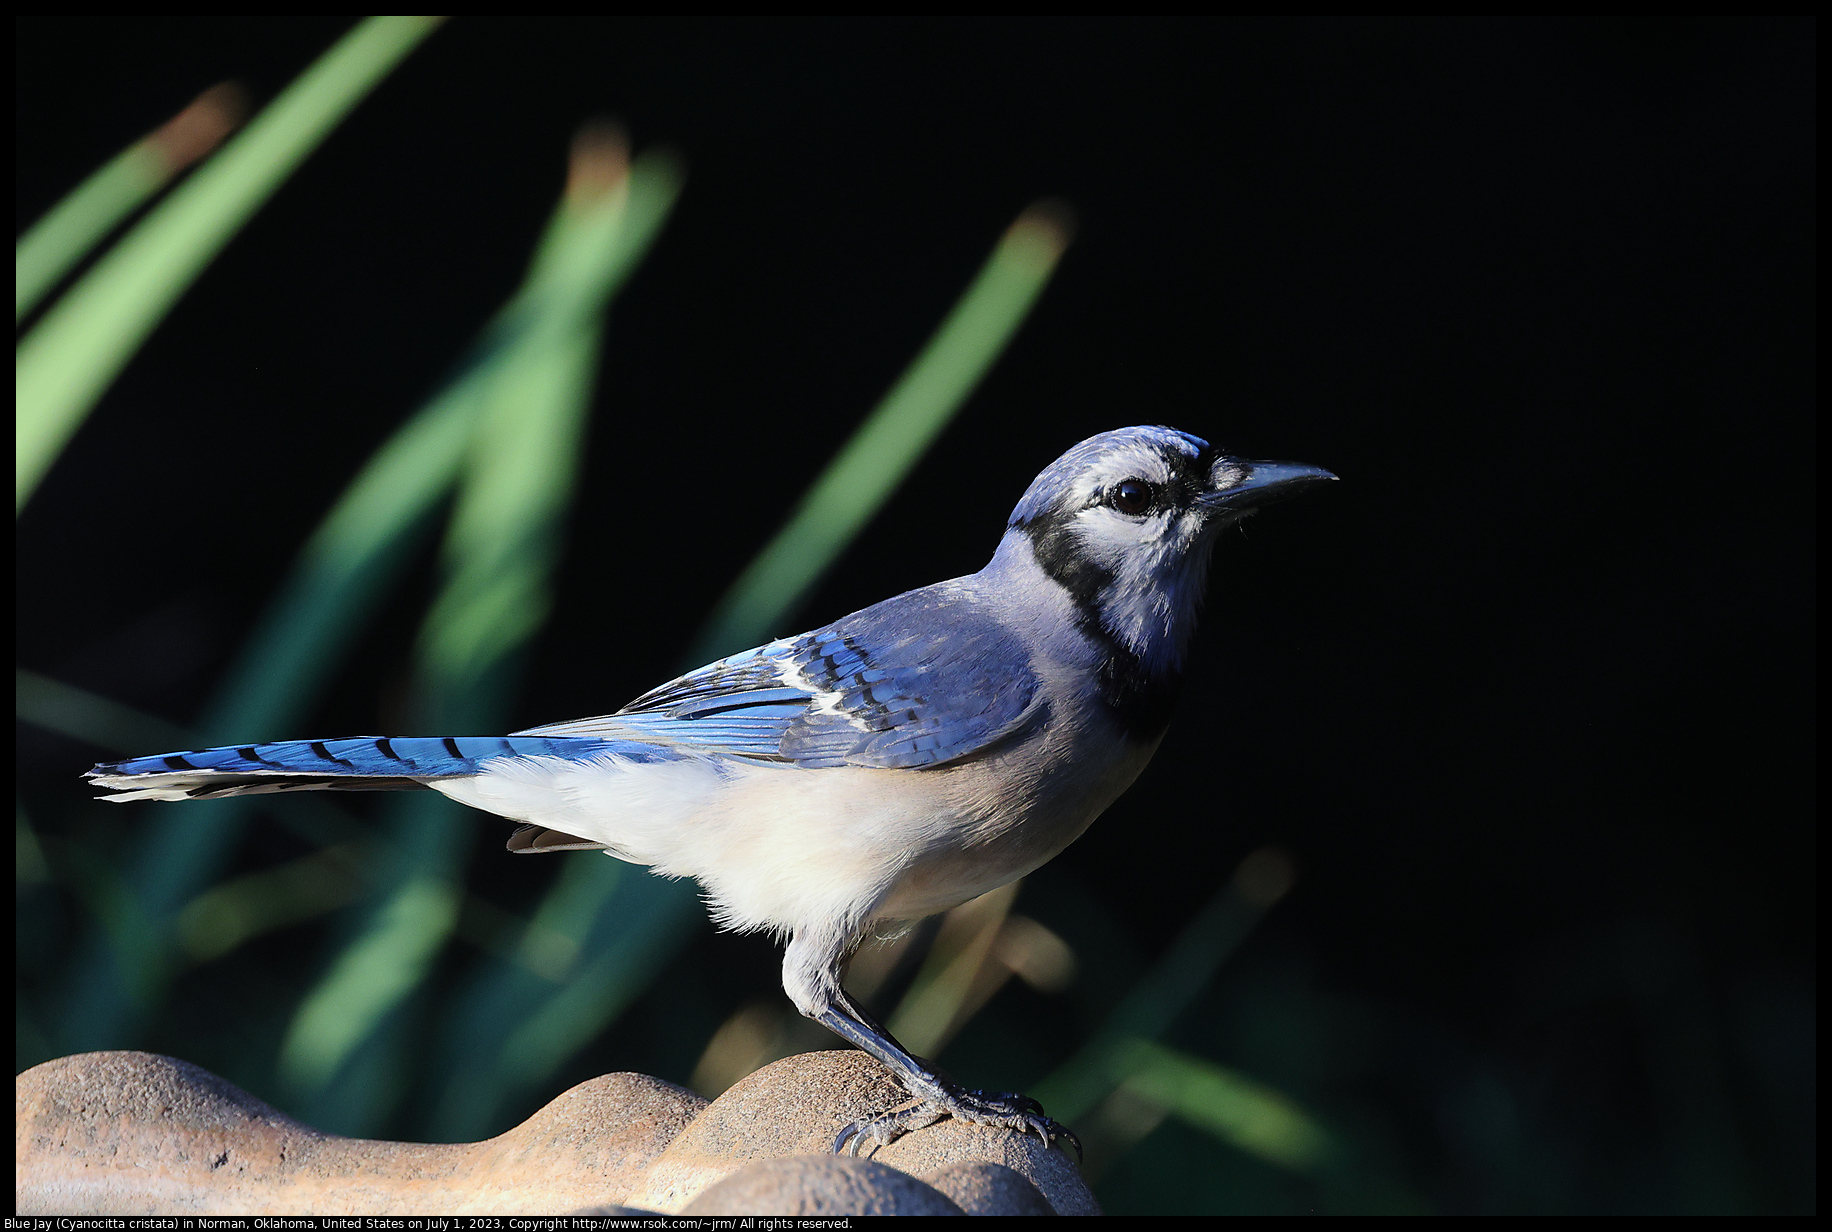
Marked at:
<point>361,763</point>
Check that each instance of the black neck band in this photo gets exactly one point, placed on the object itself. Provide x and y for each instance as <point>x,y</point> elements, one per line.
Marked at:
<point>1140,701</point>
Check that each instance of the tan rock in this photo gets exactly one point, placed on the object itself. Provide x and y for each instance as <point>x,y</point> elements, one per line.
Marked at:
<point>819,1185</point>
<point>981,1188</point>
<point>132,1133</point>
<point>795,1106</point>
<point>798,1105</point>
<point>948,1142</point>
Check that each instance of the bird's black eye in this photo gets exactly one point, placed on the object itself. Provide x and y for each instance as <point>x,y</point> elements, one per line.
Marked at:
<point>1133,496</point>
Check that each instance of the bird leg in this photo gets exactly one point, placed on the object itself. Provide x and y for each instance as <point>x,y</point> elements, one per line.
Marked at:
<point>936,1097</point>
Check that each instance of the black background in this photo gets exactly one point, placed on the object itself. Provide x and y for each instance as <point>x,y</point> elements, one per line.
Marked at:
<point>1530,685</point>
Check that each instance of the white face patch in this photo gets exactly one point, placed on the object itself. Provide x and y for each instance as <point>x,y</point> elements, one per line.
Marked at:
<point>1159,568</point>
<point>1120,522</point>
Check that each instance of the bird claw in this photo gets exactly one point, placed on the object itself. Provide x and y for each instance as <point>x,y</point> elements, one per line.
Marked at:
<point>1005,1108</point>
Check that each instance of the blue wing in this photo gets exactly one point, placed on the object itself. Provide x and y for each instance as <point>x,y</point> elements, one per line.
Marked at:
<point>921,680</point>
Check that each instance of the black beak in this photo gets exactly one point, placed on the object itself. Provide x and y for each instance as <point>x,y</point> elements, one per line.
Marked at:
<point>1240,484</point>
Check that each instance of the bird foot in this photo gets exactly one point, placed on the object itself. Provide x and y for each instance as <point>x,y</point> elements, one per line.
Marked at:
<point>1013,1111</point>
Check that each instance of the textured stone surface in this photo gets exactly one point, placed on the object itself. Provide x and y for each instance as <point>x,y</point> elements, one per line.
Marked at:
<point>132,1133</point>
<point>819,1185</point>
<point>798,1105</point>
<point>981,1188</point>
<point>795,1106</point>
<point>1051,1169</point>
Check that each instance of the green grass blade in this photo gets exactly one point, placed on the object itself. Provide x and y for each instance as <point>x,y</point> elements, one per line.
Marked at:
<point>75,225</point>
<point>341,576</point>
<point>597,943</point>
<point>90,717</point>
<point>500,550</point>
<point>867,470</point>
<point>233,912</point>
<point>1175,980</point>
<point>360,541</point>
<point>358,544</point>
<point>1250,1115</point>
<point>389,955</point>
<point>941,998</point>
<point>74,353</point>
<point>516,1031</point>
<point>652,920</point>
<point>342,570</point>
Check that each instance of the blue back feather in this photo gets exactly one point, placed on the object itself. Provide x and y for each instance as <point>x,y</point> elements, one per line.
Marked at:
<point>863,691</point>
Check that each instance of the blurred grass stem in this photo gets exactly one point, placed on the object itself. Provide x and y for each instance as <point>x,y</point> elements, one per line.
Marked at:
<point>90,717</point>
<point>957,977</point>
<point>1167,989</point>
<point>512,1032</point>
<point>868,468</point>
<point>81,344</point>
<point>344,572</point>
<point>518,472</point>
<point>75,225</point>
<point>1252,1116</point>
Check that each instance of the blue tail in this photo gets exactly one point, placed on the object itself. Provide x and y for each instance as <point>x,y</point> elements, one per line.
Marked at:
<point>361,763</point>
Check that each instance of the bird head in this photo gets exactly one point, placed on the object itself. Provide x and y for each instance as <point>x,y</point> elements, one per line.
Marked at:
<point>1125,522</point>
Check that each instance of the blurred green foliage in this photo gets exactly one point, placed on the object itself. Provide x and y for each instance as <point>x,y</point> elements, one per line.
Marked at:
<point>62,238</point>
<point>75,351</point>
<point>437,1015</point>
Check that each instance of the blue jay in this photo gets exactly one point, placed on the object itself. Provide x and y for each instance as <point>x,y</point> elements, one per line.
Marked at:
<point>893,764</point>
